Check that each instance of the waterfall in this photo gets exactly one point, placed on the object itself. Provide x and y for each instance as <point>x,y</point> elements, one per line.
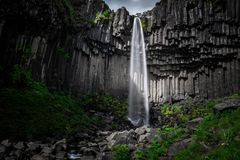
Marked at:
<point>138,110</point>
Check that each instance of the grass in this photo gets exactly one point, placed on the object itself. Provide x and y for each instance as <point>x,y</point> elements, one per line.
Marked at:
<point>216,138</point>
<point>34,111</point>
<point>160,144</point>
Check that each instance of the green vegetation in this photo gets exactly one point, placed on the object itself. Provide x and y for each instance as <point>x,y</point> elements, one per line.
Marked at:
<point>170,110</point>
<point>29,109</point>
<point>103,17</point>
<point>160,144</point>
<point>67,11</point>
<point>105,103</point>
<point>140,155</point>
<point>121,152</point>
<point>165,138</point>
<point>146,25</point>
<point>71,11</point>
<point>216,138</point>
<point>182,114</point>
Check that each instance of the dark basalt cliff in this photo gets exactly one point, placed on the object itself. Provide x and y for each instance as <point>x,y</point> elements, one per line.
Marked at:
<point>193,46</point>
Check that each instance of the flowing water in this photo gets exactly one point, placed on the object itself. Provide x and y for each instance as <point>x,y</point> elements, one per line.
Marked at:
<point>138,110</point>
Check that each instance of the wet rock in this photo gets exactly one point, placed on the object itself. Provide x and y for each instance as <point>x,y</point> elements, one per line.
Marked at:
<point>16,153</point>
<point>6,143</point>
<point>19,145</point>
<point>90,152</point>
<point>90,144</point>
<point>227,105</point>
<point>38,157</point>
<point>88,158</point>
<point>46,151</point>
<point>104,133</point>
<point>178,146</point>
<point>60,155</point>
<point>106,156</point>
<point>2,149</point>
<point>103,143</point>
<point>60,145</point>
<point>10,158</point>
<point>33,146</point>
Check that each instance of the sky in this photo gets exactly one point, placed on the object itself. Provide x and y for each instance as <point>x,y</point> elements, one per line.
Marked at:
<point>133,6</point>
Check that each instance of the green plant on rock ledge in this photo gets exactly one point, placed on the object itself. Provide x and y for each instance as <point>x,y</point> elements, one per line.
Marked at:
<point>167,109</point>
<point>121,152</point>
<point>146,25</point>
<point>103,17</point>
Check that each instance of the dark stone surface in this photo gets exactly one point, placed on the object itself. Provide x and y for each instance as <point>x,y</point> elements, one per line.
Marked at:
<point>227,105</point>
<point>192,47</point>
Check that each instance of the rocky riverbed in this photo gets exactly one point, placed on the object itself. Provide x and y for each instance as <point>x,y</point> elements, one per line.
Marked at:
<point>98,145</point>
<point>86,148</point>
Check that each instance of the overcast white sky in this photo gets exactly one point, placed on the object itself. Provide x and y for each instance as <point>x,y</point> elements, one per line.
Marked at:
<point>133,6</point>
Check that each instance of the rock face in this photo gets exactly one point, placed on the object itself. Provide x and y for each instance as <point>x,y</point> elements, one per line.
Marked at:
<point>193,47</point>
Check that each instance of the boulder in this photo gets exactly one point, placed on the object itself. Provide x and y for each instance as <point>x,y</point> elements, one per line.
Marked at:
<point>6,143</point>
<point>124,137</point>
<point>19,146</point>
<point>227,105</point>
<point>192,124</point>
<point>144,138</point>
<point>46,151</point>
<point>10,158</point>
<point>178,146</point>
<point>60,145</point>
<point>141,130</point>
<point>32,146</point>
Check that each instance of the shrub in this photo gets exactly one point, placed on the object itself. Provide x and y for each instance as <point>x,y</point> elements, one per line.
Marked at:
<point>121,152</point>
<point>140,155</point>
<point>21,77</point>
<point>166,137</point>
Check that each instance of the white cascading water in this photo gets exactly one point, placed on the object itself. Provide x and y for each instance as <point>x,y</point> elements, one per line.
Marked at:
<point>138,110</point>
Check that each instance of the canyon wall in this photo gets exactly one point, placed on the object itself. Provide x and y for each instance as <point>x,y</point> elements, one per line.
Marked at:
<point>193,46</point>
